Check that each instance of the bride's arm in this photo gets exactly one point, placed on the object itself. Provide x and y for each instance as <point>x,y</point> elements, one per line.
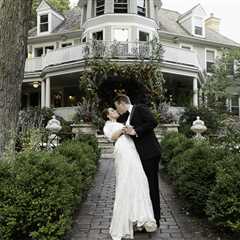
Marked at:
<point>112,134</point>
<point>117,134</point>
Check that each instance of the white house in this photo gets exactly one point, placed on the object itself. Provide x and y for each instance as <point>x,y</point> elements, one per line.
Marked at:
<point>56,47</point>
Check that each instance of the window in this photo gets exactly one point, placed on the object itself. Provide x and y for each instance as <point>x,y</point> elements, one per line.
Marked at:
<point>44,23</point>
<point>121,35</point>
<point>141,8</point>
<point>84,39</point>
<point>98,35</point>
<point>198,26</point>
<point>186,47</point>
<point>143,36</point>
<point>120,6</point>
<point>235,104</point>
<point>68,44</point>
<point>49,48</point>
<point>38,52</point>
<point>100,7</point>
<point>210,60</point>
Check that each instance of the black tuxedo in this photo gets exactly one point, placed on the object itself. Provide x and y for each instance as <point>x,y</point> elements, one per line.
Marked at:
<point>148,148</point>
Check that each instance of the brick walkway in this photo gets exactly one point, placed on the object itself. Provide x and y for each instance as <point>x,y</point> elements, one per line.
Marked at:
<point>94,217</point>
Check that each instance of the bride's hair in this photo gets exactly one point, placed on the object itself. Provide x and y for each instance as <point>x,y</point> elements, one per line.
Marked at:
<point>105,113</point>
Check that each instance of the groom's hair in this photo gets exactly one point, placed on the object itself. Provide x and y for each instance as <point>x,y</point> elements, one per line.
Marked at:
<point>122,98</point>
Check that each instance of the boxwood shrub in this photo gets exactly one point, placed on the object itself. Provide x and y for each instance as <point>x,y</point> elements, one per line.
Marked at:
<point>223,205</point>
<point>39,191</point>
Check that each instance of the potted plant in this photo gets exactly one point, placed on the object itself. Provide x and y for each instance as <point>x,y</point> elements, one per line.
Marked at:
<point>84,118</point>
<point>167,120</point>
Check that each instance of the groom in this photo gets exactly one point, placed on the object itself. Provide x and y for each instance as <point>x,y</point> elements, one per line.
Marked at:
<point>140,125</point>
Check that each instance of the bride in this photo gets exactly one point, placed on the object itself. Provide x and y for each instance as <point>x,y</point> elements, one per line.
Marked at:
<point>132,206</point>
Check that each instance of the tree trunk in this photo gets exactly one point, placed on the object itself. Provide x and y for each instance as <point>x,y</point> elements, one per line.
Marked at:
<point>14,20</point>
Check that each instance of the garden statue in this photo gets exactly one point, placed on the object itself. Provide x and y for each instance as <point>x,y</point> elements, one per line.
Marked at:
<point>54,126</point>
<point>198,127</point>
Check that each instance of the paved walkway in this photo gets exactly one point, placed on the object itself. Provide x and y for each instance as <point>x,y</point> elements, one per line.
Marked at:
<point>94,217</point>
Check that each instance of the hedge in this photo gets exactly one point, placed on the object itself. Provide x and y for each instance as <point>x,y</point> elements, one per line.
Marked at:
<point>39,191</point>
<point>206,176</point>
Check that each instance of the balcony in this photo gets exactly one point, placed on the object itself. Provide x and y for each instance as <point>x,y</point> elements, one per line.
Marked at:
<point>113,50</point>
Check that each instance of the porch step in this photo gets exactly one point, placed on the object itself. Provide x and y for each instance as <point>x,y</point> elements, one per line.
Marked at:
<point>106,147</point>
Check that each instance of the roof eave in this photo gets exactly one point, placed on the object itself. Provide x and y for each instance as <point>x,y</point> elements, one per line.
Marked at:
<point>195,39</point>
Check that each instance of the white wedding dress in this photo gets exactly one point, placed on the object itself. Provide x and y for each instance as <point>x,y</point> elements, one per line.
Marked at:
<point>132,206</point>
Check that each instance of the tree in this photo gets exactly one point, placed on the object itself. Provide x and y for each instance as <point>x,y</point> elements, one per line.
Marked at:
<point>60,5</point>
<point>14,20</point>
<point>224,77</point>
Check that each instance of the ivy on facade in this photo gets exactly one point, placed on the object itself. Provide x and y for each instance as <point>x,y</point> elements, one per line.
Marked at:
<point>104,61</point>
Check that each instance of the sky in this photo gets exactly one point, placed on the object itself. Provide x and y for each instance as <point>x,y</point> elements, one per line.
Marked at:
<point>227,10</point>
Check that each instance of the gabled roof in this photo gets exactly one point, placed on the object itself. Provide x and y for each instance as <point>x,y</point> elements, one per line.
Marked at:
<point>189,12</point>
<point>168,21</point>
<point>46,3</point>
<point>71,23</point>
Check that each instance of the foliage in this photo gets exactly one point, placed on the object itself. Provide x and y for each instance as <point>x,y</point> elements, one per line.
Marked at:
<point>60,5</point>
<point>206,176</point>
<point>194,174</point>
<point>31,130</point>
<point>85,111</point>
<point>163,114</point>
<point>211,118</point>
<point>222,78</point>
<point>223,205</point>
<point>100,68</point>
<point>173,144</point>
<point>40,190</point>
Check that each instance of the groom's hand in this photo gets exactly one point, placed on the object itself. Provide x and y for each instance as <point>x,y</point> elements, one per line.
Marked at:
<point>130,131</point>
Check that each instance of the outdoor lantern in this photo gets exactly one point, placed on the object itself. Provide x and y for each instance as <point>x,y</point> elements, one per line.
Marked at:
<point>36,84</point>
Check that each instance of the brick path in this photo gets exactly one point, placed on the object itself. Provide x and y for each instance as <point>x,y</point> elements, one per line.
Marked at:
<point>94,217</point>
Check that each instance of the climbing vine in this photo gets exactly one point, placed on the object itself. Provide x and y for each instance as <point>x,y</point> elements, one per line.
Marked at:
<point>145,69</point>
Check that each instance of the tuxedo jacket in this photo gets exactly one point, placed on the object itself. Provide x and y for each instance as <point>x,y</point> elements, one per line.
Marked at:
<point>144,123</point>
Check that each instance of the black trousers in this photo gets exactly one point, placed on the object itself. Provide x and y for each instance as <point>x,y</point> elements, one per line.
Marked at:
<point>151,167</point>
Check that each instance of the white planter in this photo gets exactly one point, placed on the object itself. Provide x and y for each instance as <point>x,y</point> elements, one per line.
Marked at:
<point>162,129</point>
<point>83,128</point>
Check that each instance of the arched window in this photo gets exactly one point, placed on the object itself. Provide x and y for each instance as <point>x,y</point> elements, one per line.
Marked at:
<point>100,5</point>
<point>120,6</point>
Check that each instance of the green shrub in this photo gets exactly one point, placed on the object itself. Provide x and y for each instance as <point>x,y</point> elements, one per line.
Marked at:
<point>92,141</point>
<point>40,190</point>
<point>223,205</point>
<point>38,196</point>
<point>211,118</point>
<point>83,156</point>
<point>194,173</point>
<point>172,145</point>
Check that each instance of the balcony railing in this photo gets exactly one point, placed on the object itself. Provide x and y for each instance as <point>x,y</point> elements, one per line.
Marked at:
<point>122,50</point>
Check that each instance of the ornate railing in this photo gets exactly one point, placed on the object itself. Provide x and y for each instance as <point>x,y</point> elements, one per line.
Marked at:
<point>121,50</point>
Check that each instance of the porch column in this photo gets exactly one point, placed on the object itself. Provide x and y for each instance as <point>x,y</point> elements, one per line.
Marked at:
<point>48,92</point>
<point>195,92</point>
<point>239,107</point>
<point>43,94</point>
<point>133,7</point>
<point>109,6</point>
<point>89,9</point>
<point>151,9</point>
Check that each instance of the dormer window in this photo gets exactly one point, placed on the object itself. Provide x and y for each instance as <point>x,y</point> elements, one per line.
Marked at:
<point>141,7</point>
<point>44,23</point>
<point>120,6</point>
<point>198,26</point>
<point>100,7</point>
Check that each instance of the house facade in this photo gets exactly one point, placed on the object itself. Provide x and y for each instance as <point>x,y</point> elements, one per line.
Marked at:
<point>57,47</point>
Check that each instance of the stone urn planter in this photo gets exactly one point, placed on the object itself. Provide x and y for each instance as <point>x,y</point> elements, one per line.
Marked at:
<point>164,128</point>
<point>83,129</point>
